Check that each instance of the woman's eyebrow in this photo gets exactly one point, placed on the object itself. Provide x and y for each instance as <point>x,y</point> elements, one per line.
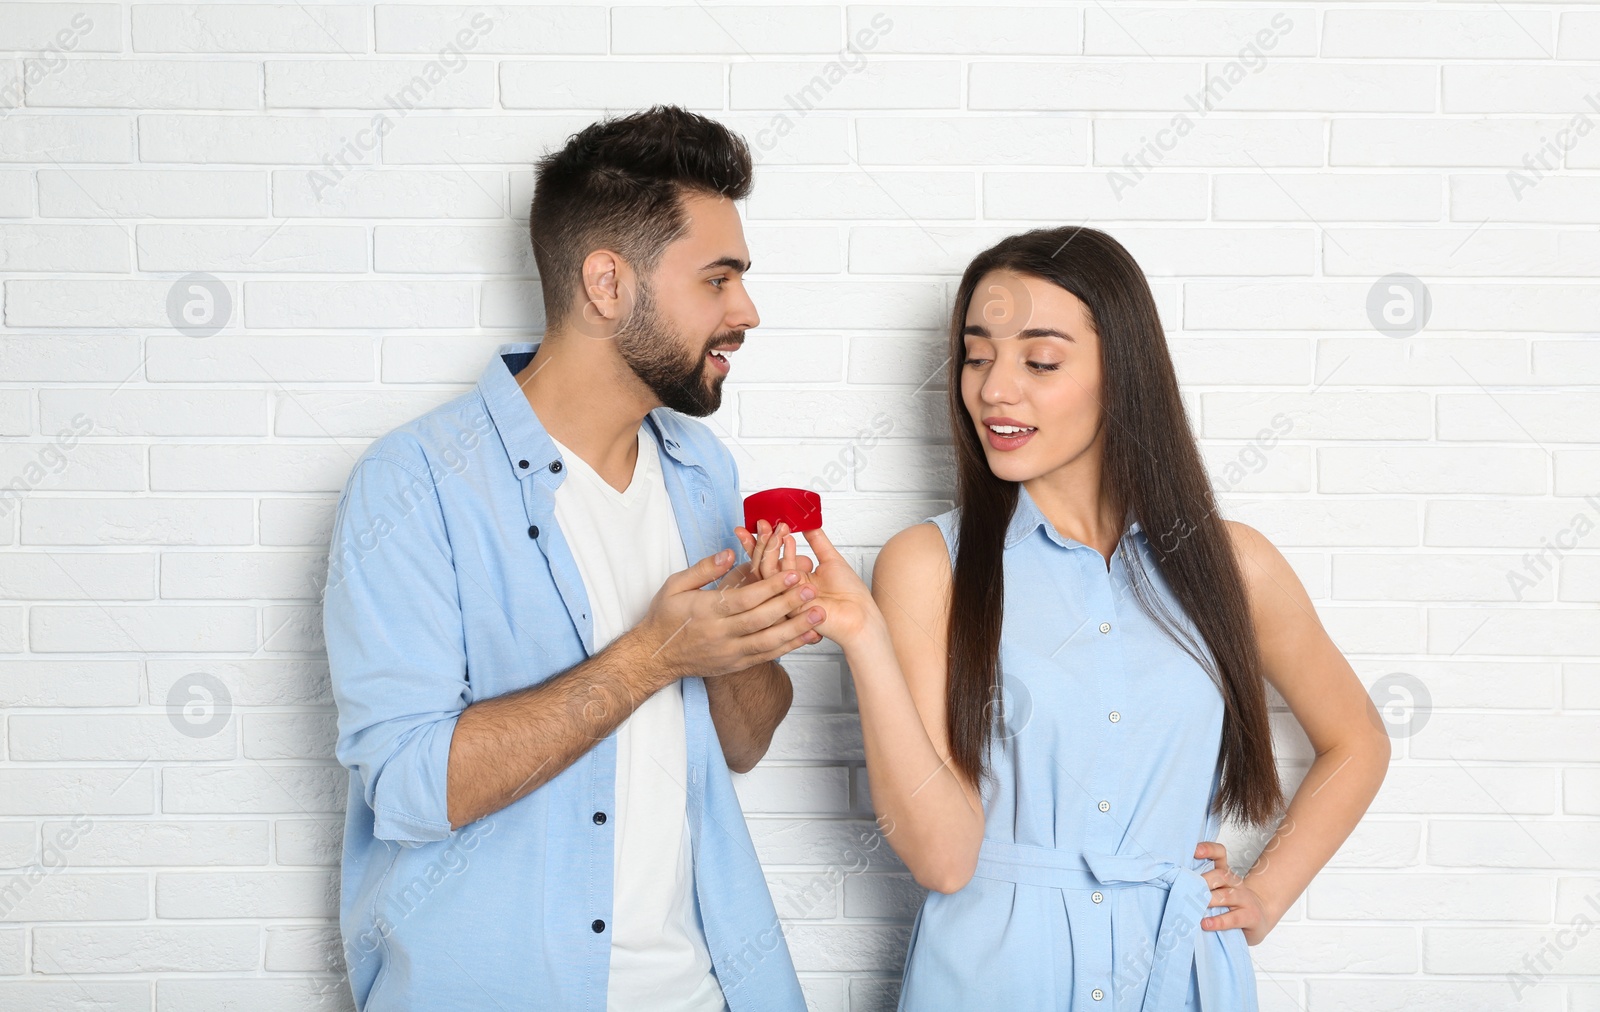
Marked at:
<point>979,330</point>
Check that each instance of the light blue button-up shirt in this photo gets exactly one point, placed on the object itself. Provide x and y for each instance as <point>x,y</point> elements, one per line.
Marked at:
<point>449,582</point>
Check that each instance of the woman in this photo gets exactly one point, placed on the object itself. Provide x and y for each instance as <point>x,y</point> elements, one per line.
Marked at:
<point>1062,682</point>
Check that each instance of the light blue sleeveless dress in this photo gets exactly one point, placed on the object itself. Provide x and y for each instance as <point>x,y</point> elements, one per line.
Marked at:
<point>1087,897</point>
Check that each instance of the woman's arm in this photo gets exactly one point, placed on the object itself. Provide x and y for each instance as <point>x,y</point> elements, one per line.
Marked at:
<point>894,643</point>
<point>1352,747</point>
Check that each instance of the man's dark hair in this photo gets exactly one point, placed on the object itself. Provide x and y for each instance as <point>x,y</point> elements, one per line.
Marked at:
<point>617,184</point>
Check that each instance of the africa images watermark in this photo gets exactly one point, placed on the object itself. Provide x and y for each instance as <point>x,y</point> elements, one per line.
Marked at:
<point>850,61</point>
<point>1542,961</point>
<point>1251,59</point>
<point>447,61</point>
<point>36,70</point>
<point>1535,567</point>
<point>1536,164</point>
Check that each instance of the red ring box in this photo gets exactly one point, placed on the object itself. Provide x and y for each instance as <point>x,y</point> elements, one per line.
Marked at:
<point>800,508</point>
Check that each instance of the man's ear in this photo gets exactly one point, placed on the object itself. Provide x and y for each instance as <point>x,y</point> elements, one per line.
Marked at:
<point>607,288</point>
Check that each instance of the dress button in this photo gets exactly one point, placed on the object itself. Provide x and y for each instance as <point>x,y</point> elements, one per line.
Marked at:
<point>1097,896</point>
<point>522,464</point>
<point>1114,716</point>
<point>1097,994</point>
<point>1105,627</point>
<point>1105,806</point>
<point>533,531</point>
<point>555,465</point>
<point>598,926</point>
<point>599,818</point>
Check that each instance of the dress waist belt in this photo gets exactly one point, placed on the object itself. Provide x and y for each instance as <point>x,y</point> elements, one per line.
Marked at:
<point>1188,897</point>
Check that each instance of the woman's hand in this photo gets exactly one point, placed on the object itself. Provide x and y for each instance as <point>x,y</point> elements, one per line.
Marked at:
<point>1245,908</point>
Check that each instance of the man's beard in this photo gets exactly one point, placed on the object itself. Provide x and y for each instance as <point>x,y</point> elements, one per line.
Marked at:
<point>654,352</point>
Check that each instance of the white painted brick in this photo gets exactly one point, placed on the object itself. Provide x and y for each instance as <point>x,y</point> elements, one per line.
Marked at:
<point>728,30</point>
<point>242,575</point>
<point>1502,631</point>
<point>1524,197</point>
<point>1089,87</point>
<point>85,791</point>
<point>289,735</point>
<point>107,995</point>
<point>1453,34</point>
<point>56,357</point>
<point>900,196</point>
<point>1422,141</point>
<point>310,949</point>
<point>408,193</point>
<point>152,948</point>
<point>124,628</point>
<point>206,994</point>
<point>296,522</point>
<point>969,29</point>
<point>71,682</point>
<point>308,841</point>
<point>257,140</point>
<point>1461,790</point>
<point>1517,88</point>
<point>1327,196</point>
<point>270,360</point>
<point>16,194</point>
<point>182,895</point>
<point>1247,34</point>
<point>394,86</point>
<point>254,790</point>
<point>296,467</point>
<point>862,83</point>
<point>1213,141</point>
<point>70,138</point>
<point>77,28</point>
<point>1399,994</point>
<point>1316,948</point>
<point>1546,416</point>
<point>332,249</point>
<point>597,85</point>
<point>137,521</point>
<point>443,359</point>
<point>972,140</point>
<point>1030,195</point>
<point>248,28</point>
<point>1500,951</point>
<point>68,303</point>
<point>546,28</point>
<point>1429,578</point>
<point>1413,897</point>
<point>839,304</point>
<point>127,842</point>
<point>57,465</point>
<point>349,413</point>
<point>151,193</point>
<point>70,896</point>
<point>251,682</point>
<point>1581,791</point>
<point>769,788</point>
<point>98,248</point>
<point>78,576</point>
<point>365,304</point>
<point>145,84</point>
<point>1463,252</point>
<point>142,411</point>
<point>452,249</point>
<point>1580,36</point>
<point>1432,469</point>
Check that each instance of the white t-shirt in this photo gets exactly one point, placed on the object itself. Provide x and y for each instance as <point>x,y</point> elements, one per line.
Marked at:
<point>626,544</point>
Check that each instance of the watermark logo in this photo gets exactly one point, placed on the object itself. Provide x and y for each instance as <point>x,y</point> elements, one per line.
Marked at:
<point>1398,305</point>
<point>199,704</point>
<point>1404,704</point>
<point>199,305</point>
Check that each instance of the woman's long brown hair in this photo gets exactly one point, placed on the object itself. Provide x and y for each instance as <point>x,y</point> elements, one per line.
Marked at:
<point>1151,467</point>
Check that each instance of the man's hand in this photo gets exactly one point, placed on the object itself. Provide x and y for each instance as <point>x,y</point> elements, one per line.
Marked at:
<point>693,631</point>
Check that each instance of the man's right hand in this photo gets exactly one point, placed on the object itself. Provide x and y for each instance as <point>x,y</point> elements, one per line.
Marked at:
<point>693,631</point>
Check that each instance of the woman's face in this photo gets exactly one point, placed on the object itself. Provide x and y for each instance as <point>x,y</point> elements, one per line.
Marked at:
<point>1032,363</point>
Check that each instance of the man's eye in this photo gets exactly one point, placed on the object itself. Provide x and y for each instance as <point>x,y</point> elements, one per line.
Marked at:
<point>719,279</point>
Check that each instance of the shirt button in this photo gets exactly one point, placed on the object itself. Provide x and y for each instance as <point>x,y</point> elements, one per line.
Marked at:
<point>555,465</point>
<point>533,532</point>
<point>1105,806</point>
<point>1105,627</point>
<point>1097,896</point>
<point>522,463</point>
<point>599,818</point>
<point>1114,716</point>
<point>1097,994</point>
<point>598,926</point>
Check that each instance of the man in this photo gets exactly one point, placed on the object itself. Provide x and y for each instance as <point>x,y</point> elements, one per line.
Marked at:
<point>539,698</point>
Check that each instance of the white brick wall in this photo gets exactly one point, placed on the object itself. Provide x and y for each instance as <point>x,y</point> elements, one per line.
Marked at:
<point>171,490</point>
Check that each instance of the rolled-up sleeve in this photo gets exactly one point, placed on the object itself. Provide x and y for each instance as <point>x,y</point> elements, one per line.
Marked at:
<point>396,653</point>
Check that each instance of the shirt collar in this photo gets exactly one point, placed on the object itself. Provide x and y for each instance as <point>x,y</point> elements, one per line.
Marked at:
<point>529,448</point>
<point>1027,516</point>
